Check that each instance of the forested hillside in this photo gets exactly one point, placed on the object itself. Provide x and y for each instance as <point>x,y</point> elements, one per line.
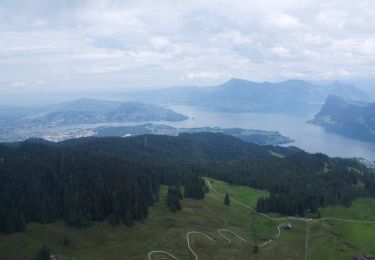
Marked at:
<point>300,183</point>
<point>348,117</point>
<point>92,179</point>
<point>97,178</point>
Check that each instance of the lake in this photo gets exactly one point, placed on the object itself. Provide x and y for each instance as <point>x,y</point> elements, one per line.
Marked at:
<point>310,138</point>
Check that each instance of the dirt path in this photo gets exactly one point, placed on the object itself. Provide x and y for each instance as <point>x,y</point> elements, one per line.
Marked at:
<point>229,241</point>
<point>161,252</point>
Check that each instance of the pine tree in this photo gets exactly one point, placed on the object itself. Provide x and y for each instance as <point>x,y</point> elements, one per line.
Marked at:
<point>128,220</point>
<point>112,220</point>
<point>178,192</point>
<point>195,188</point>
<point>21,225</point>
<point>43,254</point>
<point>66,241</point>
<point>256,249</point>
<point>226,199</point>
<point>178,204</point>
<point>172,200</point>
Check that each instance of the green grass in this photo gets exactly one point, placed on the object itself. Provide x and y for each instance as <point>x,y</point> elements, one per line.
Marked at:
<point>161,230</point>
<point>276,154</point>
<point>341,240</point>
<point>289,245</point>
<point>164,230</point>
<point>246,195</point>
<point>361,209</point>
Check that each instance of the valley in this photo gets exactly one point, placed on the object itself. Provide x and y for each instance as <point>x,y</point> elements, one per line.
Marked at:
<point>276,112</point>
<point>187,130</point>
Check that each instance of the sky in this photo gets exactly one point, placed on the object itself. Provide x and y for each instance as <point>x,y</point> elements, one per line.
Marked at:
<point>66,46</point>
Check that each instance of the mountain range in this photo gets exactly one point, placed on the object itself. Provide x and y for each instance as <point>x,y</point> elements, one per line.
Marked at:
<point>238,95</point>
<point>292,97</point>
<point>350,118</point>
<point>86,111</point>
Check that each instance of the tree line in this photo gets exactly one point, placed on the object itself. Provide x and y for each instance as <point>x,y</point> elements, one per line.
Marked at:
<point>86,180</point>
<point>300,183</point>
<point>94,179</point>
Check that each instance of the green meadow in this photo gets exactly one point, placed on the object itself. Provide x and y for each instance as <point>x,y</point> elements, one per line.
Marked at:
<point>164,230</point>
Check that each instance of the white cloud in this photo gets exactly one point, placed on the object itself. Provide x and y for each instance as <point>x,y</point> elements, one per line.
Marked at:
<point>159,42</point>
<point>96,54</point>
<point>285,20</point>
<point>281,51</point>
<point>203,75</point>
<point>19,84</point>
<point>100,70</point>
<point>88,43</point>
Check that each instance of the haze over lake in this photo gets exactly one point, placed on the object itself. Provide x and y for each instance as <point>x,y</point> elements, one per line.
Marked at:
<point>308,137</point>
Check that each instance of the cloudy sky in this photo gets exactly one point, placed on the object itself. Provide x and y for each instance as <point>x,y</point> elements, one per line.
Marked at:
<point>56,45</point>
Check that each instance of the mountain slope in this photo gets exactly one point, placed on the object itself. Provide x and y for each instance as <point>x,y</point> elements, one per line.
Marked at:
<point>198,146</point>
<point>249,135</point>
<point>90,111</point>
<point>238,95</point>
<point>349,118</point>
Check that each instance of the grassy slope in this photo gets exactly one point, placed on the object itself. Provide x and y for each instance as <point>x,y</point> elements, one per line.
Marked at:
<point>362,209</point>
<point>246,195</point>
<point>328,239</point>
<point>340,240</point>
<point>167,231</point>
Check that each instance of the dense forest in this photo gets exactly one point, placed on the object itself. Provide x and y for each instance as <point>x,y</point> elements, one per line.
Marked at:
<point>174,196</point>
<point>93,179</point>
<point>299,183</point>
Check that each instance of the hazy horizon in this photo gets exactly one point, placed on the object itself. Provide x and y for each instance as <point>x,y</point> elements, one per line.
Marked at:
<point>36,97</point>
<point>98,46</point>
<point>138,129</point>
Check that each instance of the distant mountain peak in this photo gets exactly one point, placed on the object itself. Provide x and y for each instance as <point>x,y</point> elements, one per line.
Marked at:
<point>236,82</point>
<point>244,82</point>
<point>333,97</point>
<point>348,117</point>
<point>332,102</point>
<point>336,82</point>
<point>295,82</point>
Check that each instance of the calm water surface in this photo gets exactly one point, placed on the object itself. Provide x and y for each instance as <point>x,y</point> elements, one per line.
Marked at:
<point>308,137</point>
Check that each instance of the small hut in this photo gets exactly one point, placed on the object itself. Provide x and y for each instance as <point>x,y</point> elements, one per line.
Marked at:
<point>288,226</point>
<point>365,256</point>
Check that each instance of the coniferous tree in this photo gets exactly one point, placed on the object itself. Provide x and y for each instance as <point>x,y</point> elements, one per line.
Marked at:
<point>21,223</point>
<point>194,188</point>
<point>112,220</point>
<point>43,254</point>
<point>172,200</point>
<point>226,199</point>
<point>256,249</point>
<point>178,192</point>
<point>66,241</point>
<point>128,220</point>
<point>76,180</point>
